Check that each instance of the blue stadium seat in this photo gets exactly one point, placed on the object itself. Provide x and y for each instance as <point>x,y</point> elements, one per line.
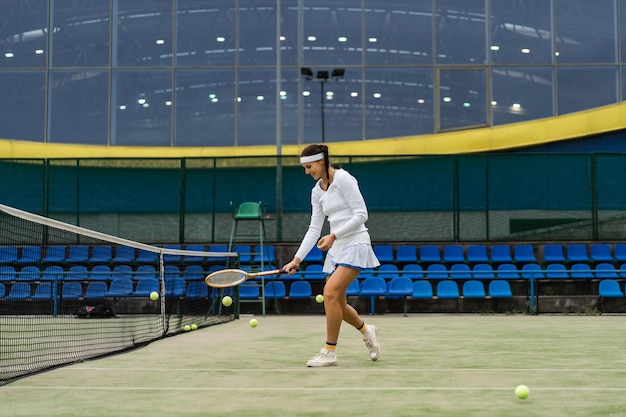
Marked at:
<point>146,271</point>
<point>553,252</point>
<point>353,289</point>
<point>192,273</point>
<point>29,273</point>
<point>147,257</point>
<point>54,254</point>
<point>245,254</point>
<point>43,291</point>
<point>145,286</point>
<point>609,288</point>
<point>430,253</point>
<point>71,291</point>
<point>524,253</point>
<point>175,287</point>
<point>20,291</point>
<point>269,255</point>
<point>507,271</point>
<point>275,289</point>
<point>7,273</point>
<point>373,287</point>
<point>8,254</point>
<point>101,254</point>
<point>314,272</point>
<point>406,254</point>
<point>400,287</point>
<point>473,289</point>
<point>384,253</point>
<point>300,289</point>
<point>453,254</point>
<point>422,289</point>
<point>436,271</point>
<point>172,271</point>
<point>78,254</point>
<point>483,271</point>
<point>96,290</point>
<point>100,272</point>
<point>194,258</point>
<point>30,255</point>
<point>581,270</point>
<point>577,252</point>
<point>500,289</point>
<point>197,290</point>
<point>477,254</point>
<point>388,271</point>
<point>122,271</point>
<point>120,288</point>
<point>532,271</point>
<point>619,252</point>
<point>172,258</point>
<point>3,292</point>
<point>447,289</point>
<point>53,273</point>
<point>77,273</point>
<point>605,270</point>
<point>501,254</point>
<point>315,255</point>
<point>413,271</point>
<point>601,252</point>
<point>460,271</point>
<point>124,255</point>
<point>218,259</point>
<point>249,291</point>
<point>557,271</point>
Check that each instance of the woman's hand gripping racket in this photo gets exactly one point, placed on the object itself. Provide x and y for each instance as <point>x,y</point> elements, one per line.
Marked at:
<point>233,277</point>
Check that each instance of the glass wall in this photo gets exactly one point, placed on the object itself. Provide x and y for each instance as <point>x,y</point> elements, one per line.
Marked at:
<point>207,72</point>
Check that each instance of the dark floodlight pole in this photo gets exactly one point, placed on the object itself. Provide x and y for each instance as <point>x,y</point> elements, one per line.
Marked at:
<point>322,77</point>
<point>322,82</point>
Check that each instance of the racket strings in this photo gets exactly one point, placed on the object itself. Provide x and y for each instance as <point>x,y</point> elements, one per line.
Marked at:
<point>226,277</point>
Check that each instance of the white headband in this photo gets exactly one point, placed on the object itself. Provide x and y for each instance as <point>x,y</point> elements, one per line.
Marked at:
<point>311,158</point>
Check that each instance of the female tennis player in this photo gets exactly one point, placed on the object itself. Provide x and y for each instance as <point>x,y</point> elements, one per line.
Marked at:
<point>336,195</point>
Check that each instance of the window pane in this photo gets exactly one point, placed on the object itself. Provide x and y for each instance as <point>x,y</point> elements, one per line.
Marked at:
<point>23,34</point>
<point>398,31</point>
<point>205,108</point>
<point>332,107</point>
<point>78,111</point>
<point>462,101</point>
<point>582,88</point>
<point>23,110</point>
<point>332,32</point>
<point>81,35</point>
<point>144,33</point>
<point>256,119</point>
<point>142,107</point>
<point>521,31</point>
<point>205,34</point>
<point>461,20</point>
<point>585,31</point>
<point>399,102</point>
<point>521,93</point>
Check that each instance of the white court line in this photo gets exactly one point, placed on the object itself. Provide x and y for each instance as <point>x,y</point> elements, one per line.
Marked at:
<point>317,389</point>
<point>371,369</point>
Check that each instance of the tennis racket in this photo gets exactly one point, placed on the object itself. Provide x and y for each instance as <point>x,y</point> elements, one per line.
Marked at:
<point>232,277</point>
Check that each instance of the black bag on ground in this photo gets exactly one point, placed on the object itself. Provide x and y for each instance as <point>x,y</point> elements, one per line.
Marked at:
<point>89,312</point>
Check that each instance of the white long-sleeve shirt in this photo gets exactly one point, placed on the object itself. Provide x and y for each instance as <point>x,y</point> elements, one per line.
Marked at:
<point>344,206</point>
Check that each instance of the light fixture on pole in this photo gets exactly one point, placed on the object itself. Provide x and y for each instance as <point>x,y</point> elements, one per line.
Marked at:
<point>323,76</point>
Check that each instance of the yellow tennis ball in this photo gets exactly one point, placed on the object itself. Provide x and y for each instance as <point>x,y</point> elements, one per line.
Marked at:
<point>522,392</point>
<point>227,301</point>
<point>194,326</point>
<point>187,327</point>
<point>154,295</point>
<point>319,298</point>
<point>253,323</point>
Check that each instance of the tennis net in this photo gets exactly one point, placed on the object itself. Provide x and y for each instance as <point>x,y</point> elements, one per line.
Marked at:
<point>68,293</point>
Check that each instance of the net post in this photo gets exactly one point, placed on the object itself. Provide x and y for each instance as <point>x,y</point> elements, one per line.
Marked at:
<point>162,291</point>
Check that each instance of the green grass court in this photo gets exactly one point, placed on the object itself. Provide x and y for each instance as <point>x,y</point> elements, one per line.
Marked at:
<point>431,365</point>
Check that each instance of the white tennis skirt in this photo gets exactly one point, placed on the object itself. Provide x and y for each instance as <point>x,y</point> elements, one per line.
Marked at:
<point>353,252</point>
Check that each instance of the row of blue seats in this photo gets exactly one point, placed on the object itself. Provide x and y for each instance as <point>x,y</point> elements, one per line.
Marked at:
<point>484,271</point>
<point>100,272</point>
<point>100,290</point>
<point>102,254</point>
<point>499,253</point>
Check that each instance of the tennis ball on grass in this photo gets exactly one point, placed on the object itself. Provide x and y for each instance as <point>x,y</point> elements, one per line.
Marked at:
<point>522,392</point>
<point>227,301</point>
<point>154,295</point>
<point>253,323</point>
<point>319,298</point>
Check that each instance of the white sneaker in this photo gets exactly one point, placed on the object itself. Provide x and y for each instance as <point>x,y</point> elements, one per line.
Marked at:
<point>324,358</point>
<point>370,337</point>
